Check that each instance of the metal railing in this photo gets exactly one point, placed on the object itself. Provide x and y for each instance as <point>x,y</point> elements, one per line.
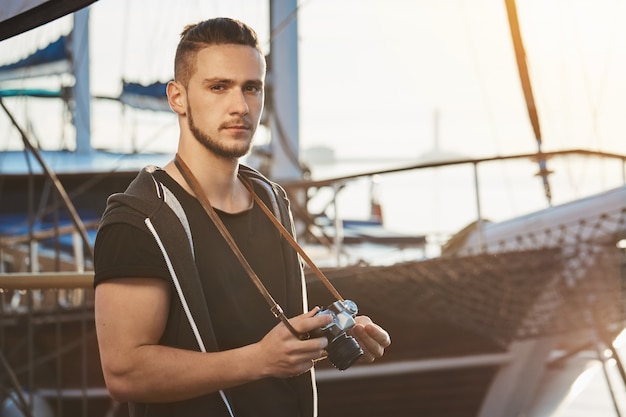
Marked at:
<point>49,362</point>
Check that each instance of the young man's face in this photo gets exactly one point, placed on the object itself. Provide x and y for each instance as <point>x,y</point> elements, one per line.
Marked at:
<point>225,98</point>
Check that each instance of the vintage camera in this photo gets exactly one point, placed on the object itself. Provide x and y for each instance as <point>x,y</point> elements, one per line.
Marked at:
<point>343,350</point>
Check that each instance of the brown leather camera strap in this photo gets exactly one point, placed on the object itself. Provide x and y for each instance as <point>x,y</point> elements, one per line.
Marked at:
<point>283,231</point>
<point>204,201</point>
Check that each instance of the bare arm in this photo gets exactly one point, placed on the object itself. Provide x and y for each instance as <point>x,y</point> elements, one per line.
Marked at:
<point>131,315</point>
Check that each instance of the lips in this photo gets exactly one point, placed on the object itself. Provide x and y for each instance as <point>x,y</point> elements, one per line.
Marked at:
<point>236,126</point>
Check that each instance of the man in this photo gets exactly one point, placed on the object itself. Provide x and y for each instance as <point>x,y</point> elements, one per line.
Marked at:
<point>182,330</point>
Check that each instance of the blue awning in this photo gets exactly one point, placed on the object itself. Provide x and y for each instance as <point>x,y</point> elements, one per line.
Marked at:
<point>51,60</point>
<point>146,97</point>
<point>55,51</point>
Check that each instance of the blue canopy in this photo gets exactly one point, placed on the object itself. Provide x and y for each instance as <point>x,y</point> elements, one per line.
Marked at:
<point>54,52</point>
<point>147,97</point>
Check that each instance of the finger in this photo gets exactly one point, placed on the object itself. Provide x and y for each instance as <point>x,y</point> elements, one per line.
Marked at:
<point>311,357</point>
<point>306,324</point>
<point>313,347</point>
<point>363,320</point>
<point>372,349</point>
<point>311,312</point>
<point>323,356</point>
<point>379,334</point>
<point>296,322</point>
<point>303,367</point>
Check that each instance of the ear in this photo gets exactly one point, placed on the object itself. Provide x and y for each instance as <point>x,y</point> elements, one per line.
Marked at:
<point>176,97</point>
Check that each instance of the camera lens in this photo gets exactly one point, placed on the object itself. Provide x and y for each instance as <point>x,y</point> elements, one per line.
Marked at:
<point>343,351</point>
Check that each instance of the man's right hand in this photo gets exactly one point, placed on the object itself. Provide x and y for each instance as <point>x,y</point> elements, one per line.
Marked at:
<point>285,355</point>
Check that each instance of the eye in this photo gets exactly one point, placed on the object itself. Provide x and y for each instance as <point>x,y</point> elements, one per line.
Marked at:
<point>253,89</point>
<point>218,87</point>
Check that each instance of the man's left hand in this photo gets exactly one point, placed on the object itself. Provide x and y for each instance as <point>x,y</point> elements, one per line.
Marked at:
<point>372,338</point>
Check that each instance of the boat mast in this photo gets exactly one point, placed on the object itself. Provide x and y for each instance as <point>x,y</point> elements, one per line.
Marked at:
<point>81,91</point>
<point>520,56</point>
<point>284,90</point>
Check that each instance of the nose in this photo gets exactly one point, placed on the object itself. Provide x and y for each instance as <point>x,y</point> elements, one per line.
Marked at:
<point>239,104</point>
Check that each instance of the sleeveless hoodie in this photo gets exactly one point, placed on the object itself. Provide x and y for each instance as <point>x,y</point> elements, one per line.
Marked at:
<point>148,204</point>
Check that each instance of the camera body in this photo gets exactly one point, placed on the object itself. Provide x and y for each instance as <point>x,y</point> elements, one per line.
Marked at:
<point>343,350</point>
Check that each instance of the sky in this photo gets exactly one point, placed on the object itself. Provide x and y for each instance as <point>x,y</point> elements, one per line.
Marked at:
<point>373,72</point>
<point>388,82</point>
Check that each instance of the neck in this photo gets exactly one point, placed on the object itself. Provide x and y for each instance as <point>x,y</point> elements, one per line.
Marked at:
<point>216,178</point>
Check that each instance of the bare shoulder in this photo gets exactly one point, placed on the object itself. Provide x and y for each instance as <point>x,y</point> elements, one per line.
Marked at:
<point>132,297</point>
<point>132,308</point>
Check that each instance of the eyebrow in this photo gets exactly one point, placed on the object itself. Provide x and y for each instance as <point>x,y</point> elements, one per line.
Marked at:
<point>218,80</point>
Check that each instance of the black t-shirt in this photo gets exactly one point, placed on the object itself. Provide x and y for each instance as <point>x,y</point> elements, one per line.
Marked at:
<point>239,313</point>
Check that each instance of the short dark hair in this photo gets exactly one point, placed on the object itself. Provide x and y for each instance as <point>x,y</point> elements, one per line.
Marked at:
<point>216,31</point>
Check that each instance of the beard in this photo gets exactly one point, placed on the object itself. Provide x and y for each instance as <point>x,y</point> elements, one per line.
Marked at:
<point>214,146</point>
